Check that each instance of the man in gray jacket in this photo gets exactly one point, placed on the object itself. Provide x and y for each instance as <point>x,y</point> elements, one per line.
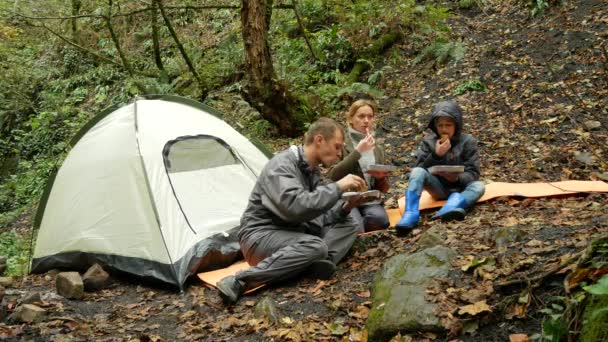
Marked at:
<point>293,223</point>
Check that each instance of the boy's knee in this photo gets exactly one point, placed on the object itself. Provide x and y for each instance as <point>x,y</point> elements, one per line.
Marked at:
<point>418,172</point>
<point>478,187</point>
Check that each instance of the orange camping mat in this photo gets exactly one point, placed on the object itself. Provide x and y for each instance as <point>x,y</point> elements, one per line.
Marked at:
<point>493,190</point>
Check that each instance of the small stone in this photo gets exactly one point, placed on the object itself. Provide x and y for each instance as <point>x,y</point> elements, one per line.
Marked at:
<point>584,157</point>
<point>3,308</point>
<point>27,313</point>
<point>32,298</point>
<point>69,285</point>
<point>6,281</point>
<point>603,176</point>
<point>592,124</point>
<point>267,308</point>
<point>96,278</point>
<point>506,236</point>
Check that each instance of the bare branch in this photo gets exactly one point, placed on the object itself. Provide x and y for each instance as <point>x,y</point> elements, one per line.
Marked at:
<point>138,11</point>
<point>182,50</point>
<point>295,10</point>
<point>125,62</point>
<point>79,47</point>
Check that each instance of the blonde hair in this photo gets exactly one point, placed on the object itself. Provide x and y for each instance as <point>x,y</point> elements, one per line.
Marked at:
<point>357,105</point>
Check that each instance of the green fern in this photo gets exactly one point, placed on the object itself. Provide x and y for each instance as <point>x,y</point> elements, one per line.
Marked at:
<point>442,51</point>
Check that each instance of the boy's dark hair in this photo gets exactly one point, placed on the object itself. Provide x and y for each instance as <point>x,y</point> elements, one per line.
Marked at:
<point>325,126</point>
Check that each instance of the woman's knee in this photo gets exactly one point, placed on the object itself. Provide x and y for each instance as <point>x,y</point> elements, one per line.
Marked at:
<point>377,220</point>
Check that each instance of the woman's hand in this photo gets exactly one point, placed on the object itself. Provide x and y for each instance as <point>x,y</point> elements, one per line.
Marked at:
<point>366,144</point>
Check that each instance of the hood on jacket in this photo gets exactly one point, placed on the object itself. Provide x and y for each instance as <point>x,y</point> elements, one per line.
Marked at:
<point>448,109</point>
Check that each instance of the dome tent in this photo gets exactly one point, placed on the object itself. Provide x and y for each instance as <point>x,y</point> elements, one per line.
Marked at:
<point>155,188</point>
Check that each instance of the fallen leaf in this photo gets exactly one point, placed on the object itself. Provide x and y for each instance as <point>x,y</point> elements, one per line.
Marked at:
<point>337,329</point>
<point>364,294</point>
<point>534,243</point>
<point>519,338</point>
<point>287,320</point>
<point>474,309</point>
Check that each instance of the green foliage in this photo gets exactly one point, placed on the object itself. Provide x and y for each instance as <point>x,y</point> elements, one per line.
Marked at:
<point>441,51</point>
<point>599,288</point>
<point>261,128</point>
<point>555,326</point>
<point>537,7</point>
<point>15,248</point>
<point>469,85</point>
<point>466,4</point>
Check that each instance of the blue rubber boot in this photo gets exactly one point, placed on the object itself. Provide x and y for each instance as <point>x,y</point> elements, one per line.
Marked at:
<point>453,209</point>
<point>411,215</point>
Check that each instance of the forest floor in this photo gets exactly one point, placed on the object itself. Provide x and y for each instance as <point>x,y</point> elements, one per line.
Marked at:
<point>547,86</point>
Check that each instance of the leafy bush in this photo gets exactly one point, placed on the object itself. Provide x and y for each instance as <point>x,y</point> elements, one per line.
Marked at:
<point>470,85</point>
<point>466,4</point>
<point>16,249</point>
<point>537,7</point>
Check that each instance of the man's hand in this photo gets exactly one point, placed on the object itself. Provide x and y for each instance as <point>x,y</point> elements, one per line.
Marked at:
<point>366,144</point>
<point>351,182</point>
<point>448,176</point>
<point>349,205</point>
<point>442,148</point>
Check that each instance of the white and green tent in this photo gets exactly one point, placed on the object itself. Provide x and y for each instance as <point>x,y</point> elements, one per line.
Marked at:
<point>153,189</point>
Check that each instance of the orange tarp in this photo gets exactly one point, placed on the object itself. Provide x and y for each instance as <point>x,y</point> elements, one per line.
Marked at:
<point>493,190</point>
<point>501,189</point>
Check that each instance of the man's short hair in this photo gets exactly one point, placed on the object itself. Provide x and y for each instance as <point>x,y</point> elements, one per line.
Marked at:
<point>326,127</point>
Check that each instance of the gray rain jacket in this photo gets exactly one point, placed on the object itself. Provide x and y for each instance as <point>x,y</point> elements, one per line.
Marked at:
<point>464,147</point>
<point>288,195</point>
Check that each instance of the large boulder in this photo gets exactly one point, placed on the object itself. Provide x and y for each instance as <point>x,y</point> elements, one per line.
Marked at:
<point>399,303</point>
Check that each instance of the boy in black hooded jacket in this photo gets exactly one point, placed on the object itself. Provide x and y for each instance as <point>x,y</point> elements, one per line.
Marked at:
<point>447,146</point>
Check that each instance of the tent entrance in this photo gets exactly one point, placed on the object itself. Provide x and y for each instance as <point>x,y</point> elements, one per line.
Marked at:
<point>207,178</point>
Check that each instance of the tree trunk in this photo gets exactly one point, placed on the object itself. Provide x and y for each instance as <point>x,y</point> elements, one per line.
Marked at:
<point>76,4</point>
<point>155,39</point>
<point>270,98</point>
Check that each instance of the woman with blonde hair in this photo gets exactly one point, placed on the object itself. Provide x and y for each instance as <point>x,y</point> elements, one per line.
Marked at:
<point>360,151</point>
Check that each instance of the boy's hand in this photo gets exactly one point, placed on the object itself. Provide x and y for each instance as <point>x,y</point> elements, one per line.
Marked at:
<point>351,182</point>
<point>442,148</point>
<point>366,144</point>
<point>448,176</point>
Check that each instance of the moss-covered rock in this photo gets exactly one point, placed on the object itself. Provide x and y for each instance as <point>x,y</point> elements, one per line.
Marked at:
<point>595,319</point>
<point>507,235</point>
<point>399,303</point>
<point>430,238</point>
